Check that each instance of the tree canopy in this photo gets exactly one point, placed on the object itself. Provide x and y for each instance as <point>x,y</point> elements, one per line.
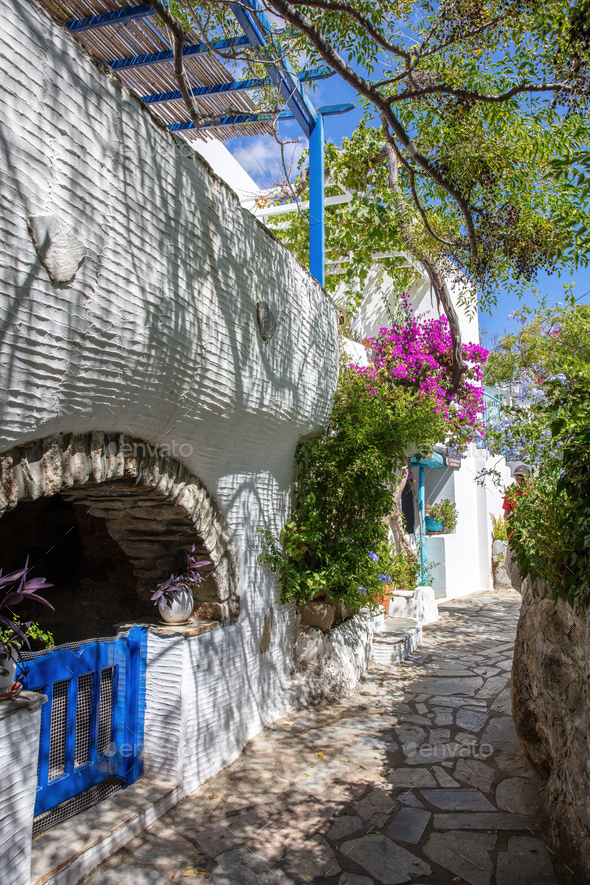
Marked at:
<point>474,155</point>
<point>482,107</point>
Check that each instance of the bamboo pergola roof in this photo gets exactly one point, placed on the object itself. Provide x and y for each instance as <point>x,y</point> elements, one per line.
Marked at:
<point>141,37</point>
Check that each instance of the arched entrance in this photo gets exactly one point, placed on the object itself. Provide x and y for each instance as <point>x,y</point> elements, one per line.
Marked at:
<point>105,518</point>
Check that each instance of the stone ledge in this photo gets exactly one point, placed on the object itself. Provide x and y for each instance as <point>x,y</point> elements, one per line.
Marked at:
<point>70,850</point>
<point>25,702</point>
<point>193,626</point>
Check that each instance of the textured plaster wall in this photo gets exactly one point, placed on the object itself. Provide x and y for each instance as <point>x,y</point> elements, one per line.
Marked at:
<point>157,334</point>
<point>191,731</point>
<point>20,721</point>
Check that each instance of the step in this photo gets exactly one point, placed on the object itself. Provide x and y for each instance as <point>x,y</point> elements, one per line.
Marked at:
<point>396,640</point>
<point>70,850</point>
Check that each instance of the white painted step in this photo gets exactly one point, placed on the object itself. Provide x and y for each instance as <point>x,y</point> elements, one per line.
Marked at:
<point>396,641</point>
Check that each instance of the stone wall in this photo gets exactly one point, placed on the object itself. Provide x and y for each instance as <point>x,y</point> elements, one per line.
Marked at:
<point>551,709</point>
<point>133,287</point>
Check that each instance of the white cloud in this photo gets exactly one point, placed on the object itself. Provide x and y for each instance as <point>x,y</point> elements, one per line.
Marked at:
<point>260,156</point>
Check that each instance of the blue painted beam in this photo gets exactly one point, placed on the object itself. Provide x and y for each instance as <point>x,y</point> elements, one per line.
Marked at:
<point>422,506</point>
<point>235,86</point>
<point>317,255</point>
<point>236,119</point>
<point>435,460</point>
<point>116,17</point>
<point>257,29</point>
<point>188,51</point>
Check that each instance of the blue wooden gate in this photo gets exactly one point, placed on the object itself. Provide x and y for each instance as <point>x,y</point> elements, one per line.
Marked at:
<point>92,723</point>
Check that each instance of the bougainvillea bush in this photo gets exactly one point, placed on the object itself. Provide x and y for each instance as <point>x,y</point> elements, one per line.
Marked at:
<point>336,543</point>
<point>417,353</point>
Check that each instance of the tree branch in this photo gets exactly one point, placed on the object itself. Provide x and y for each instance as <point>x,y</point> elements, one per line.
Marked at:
<point>178,38</point>
<point>440,288</point>
<point>468,95</point>
<point>394,154</point>
<point>363,21</point>
<point>443,297</point>
<point>388,117</point>
<point>335,60</point>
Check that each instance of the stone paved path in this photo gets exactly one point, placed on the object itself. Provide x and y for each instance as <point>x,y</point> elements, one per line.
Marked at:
<point>419,777</point>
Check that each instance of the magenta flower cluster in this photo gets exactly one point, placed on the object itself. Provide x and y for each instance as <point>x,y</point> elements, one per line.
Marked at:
<point>419,353</point>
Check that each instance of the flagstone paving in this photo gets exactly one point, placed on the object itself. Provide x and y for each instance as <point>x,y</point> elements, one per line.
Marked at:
<point>418,777</point>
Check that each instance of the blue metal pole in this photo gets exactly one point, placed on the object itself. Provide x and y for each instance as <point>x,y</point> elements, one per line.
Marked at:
<point>317,258</point>
<point>422,504</point>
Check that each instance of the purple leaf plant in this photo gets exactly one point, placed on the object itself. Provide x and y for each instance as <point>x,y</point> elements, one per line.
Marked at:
<point>190,576</point>
<point>17,589</point>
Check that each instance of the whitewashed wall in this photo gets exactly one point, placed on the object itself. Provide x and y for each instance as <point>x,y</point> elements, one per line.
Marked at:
<point>157,335</point>
<point>380,294</point>
<point>462,562</point>
<point>20,721</point>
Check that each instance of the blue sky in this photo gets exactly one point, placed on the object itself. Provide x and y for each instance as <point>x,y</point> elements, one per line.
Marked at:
<point>259,157</point>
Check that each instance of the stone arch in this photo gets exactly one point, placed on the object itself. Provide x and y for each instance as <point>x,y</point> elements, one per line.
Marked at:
<point>153,506</point>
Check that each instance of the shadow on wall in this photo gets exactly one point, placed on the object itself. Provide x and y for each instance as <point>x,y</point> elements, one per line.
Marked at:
<point>173,272</point>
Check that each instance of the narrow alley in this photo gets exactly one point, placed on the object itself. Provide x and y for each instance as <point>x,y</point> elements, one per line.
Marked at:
<point>418,777</point>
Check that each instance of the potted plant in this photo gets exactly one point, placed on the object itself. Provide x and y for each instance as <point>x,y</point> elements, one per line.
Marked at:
<point>441,517</point>
<point>15,633</point>
<point>174,597</point>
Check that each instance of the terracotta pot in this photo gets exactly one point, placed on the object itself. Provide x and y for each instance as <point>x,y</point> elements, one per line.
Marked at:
<point>384,598</point>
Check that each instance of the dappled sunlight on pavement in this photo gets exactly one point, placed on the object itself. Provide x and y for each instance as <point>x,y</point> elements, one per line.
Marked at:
<point>418,777</point>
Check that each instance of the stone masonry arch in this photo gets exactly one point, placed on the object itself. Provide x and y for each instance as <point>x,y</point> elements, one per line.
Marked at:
<point>153,507</point>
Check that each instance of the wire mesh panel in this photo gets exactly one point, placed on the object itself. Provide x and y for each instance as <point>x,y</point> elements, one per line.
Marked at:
<point>58,729</point>
<point>96,698</point>
<point>78,803</point>
<point>105,710</point>
<point>83,719</point>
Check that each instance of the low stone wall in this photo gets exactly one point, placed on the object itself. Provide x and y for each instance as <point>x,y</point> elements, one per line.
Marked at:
<point>329,665</point>
<point>551,712</point>
<point>500,574</point>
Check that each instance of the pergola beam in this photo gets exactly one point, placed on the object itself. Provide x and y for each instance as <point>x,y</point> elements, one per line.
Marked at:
<point>116,17</point>
<point>256,27</point>
<point>235,119</point>
<point>188,51</point>
<point>233,86</point>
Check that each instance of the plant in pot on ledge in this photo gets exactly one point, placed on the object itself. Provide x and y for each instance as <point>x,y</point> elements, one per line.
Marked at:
<point>174,597</point>
<point>15,633</point>
<point>441,518</point>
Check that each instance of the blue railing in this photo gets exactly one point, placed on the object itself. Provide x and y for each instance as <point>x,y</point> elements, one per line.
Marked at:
<point>492,408</point>
<point>92,723</point>
<point>492,411</point>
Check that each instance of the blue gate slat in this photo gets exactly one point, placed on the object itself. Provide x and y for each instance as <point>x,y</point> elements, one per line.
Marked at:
<point>71,709</point>
<point>126,655</point>
<point>135,692</point>
<point>93,734</point>
<point>43,765</point>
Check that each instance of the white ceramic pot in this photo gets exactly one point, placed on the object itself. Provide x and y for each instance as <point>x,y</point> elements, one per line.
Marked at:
<point>6,682</point>
<point>179,609</point>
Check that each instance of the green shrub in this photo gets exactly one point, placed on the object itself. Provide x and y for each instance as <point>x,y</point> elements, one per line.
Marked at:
<point>499,528</point>
<point>337,542</point>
